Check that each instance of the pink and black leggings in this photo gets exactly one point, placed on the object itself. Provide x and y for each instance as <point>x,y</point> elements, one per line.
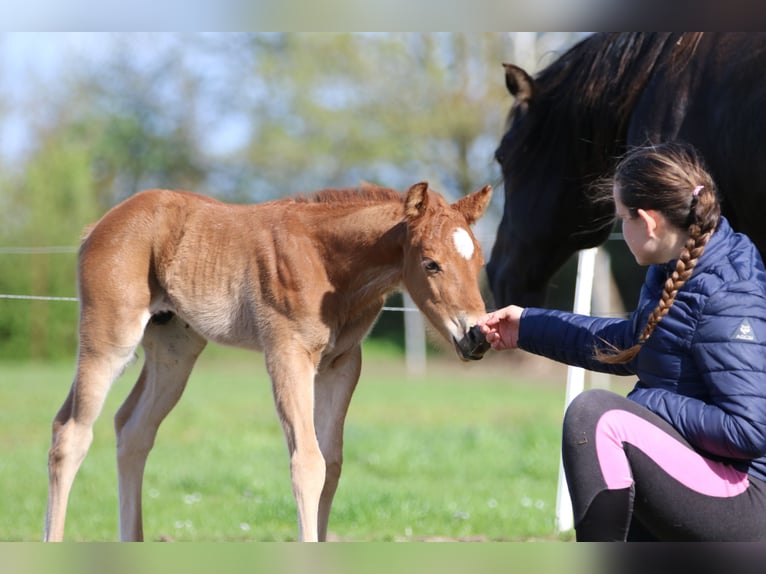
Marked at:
<point>631,476</point>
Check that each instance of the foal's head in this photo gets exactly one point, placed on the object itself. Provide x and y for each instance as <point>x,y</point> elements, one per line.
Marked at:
<point>442,260</point>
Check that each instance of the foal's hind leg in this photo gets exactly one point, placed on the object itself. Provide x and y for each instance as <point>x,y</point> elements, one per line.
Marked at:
<point>333,389</point>
<point>171,349</point>
<point>103,354</point>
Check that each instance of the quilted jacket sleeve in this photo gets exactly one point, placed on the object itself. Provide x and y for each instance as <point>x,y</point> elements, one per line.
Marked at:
<point>729,348</point>
<point>571,338</point>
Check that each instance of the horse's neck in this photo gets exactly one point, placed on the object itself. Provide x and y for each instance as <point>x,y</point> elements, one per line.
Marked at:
<point>363,247</point>
<point>606,91</point>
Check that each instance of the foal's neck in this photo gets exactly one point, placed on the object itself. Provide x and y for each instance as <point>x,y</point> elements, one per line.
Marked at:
<point>364,247</point>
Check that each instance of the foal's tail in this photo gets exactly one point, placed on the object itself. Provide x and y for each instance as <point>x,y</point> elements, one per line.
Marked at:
<point>86,233</point>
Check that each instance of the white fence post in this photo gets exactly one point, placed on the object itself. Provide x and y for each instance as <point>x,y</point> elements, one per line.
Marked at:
<point>586,261</point>
<point>414,337</point>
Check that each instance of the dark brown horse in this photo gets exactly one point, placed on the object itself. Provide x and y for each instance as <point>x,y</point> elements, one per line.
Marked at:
<point>570,124</point>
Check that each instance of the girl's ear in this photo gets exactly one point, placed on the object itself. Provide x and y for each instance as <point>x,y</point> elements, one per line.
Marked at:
<point>651,219</point>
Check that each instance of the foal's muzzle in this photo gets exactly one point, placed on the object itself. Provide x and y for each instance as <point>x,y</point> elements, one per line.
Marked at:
<point>472,346</point>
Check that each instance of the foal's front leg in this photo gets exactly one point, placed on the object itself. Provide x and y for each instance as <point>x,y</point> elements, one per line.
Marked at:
<point>292,376</point>
<point>333,388</point>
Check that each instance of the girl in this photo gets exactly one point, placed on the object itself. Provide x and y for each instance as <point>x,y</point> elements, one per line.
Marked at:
<point>683,457</point>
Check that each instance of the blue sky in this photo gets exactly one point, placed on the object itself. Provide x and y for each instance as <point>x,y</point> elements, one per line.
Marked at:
<point>29,62</point>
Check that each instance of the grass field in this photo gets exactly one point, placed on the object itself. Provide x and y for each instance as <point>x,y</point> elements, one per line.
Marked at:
<point>467,451</point>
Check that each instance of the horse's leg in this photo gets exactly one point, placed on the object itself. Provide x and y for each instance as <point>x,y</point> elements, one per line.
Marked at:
<point>333,389</point>
<point>171,349</point>
<point>108,339</point>
<point>292,375</point>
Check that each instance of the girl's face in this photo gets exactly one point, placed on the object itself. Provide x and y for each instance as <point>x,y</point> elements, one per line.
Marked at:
<point>649,236</point>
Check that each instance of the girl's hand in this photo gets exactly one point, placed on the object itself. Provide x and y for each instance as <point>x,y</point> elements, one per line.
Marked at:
<point>501,327</point>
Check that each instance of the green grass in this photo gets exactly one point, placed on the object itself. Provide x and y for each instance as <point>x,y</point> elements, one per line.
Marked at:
<point>464,452</point>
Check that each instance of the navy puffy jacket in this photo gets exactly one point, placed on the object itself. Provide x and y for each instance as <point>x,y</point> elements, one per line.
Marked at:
<point>704,367</point>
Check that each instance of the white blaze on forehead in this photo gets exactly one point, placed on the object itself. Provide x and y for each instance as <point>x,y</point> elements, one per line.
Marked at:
<point>463,242</point>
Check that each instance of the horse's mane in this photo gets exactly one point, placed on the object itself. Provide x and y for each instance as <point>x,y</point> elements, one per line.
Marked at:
<point>608,66</point>
<point>604,74</point>
<point>365,193</point>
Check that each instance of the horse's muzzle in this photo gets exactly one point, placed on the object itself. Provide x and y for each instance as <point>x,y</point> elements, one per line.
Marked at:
<point>472,346</point>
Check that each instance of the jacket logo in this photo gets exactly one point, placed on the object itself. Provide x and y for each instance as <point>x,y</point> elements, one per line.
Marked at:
<point>744,332</point>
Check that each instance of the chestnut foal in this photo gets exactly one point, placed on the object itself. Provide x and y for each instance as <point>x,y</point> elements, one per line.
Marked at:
<point>302,280</point>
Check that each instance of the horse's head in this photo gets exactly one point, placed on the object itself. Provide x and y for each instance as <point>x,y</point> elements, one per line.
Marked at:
<point>442,260</point>
<point>548,216</point>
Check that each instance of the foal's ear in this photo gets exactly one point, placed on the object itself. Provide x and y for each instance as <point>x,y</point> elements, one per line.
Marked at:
<point>473,206</point>
<point>519,83</point>
<point>416,201</point>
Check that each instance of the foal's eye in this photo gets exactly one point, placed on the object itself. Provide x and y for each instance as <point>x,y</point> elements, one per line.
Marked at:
<point>431,266</point>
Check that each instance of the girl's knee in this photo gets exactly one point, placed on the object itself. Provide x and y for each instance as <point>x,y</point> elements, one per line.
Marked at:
<point>588,406</point>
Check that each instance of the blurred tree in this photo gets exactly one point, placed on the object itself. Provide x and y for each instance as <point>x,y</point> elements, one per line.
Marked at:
<point>245,117</point>
<point>101,135</point>
<point>138,113</point>
<point>48,207</point>
<point>330,110</point>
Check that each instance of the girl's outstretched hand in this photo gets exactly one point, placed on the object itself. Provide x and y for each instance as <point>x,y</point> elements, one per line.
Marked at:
<point>501,327</point>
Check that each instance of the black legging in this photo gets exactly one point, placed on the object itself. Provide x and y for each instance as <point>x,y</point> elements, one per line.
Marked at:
<point>631,476</point>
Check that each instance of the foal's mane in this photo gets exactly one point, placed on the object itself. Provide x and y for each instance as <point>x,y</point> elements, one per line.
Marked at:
<point>365,193</point>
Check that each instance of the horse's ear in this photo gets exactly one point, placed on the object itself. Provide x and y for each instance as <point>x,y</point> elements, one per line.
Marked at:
<point>473,206</point>
<point>416,200</point>
<point>519,83</point>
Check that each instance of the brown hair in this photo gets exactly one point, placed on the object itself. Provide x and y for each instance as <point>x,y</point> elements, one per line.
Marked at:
<point>670,178</point>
